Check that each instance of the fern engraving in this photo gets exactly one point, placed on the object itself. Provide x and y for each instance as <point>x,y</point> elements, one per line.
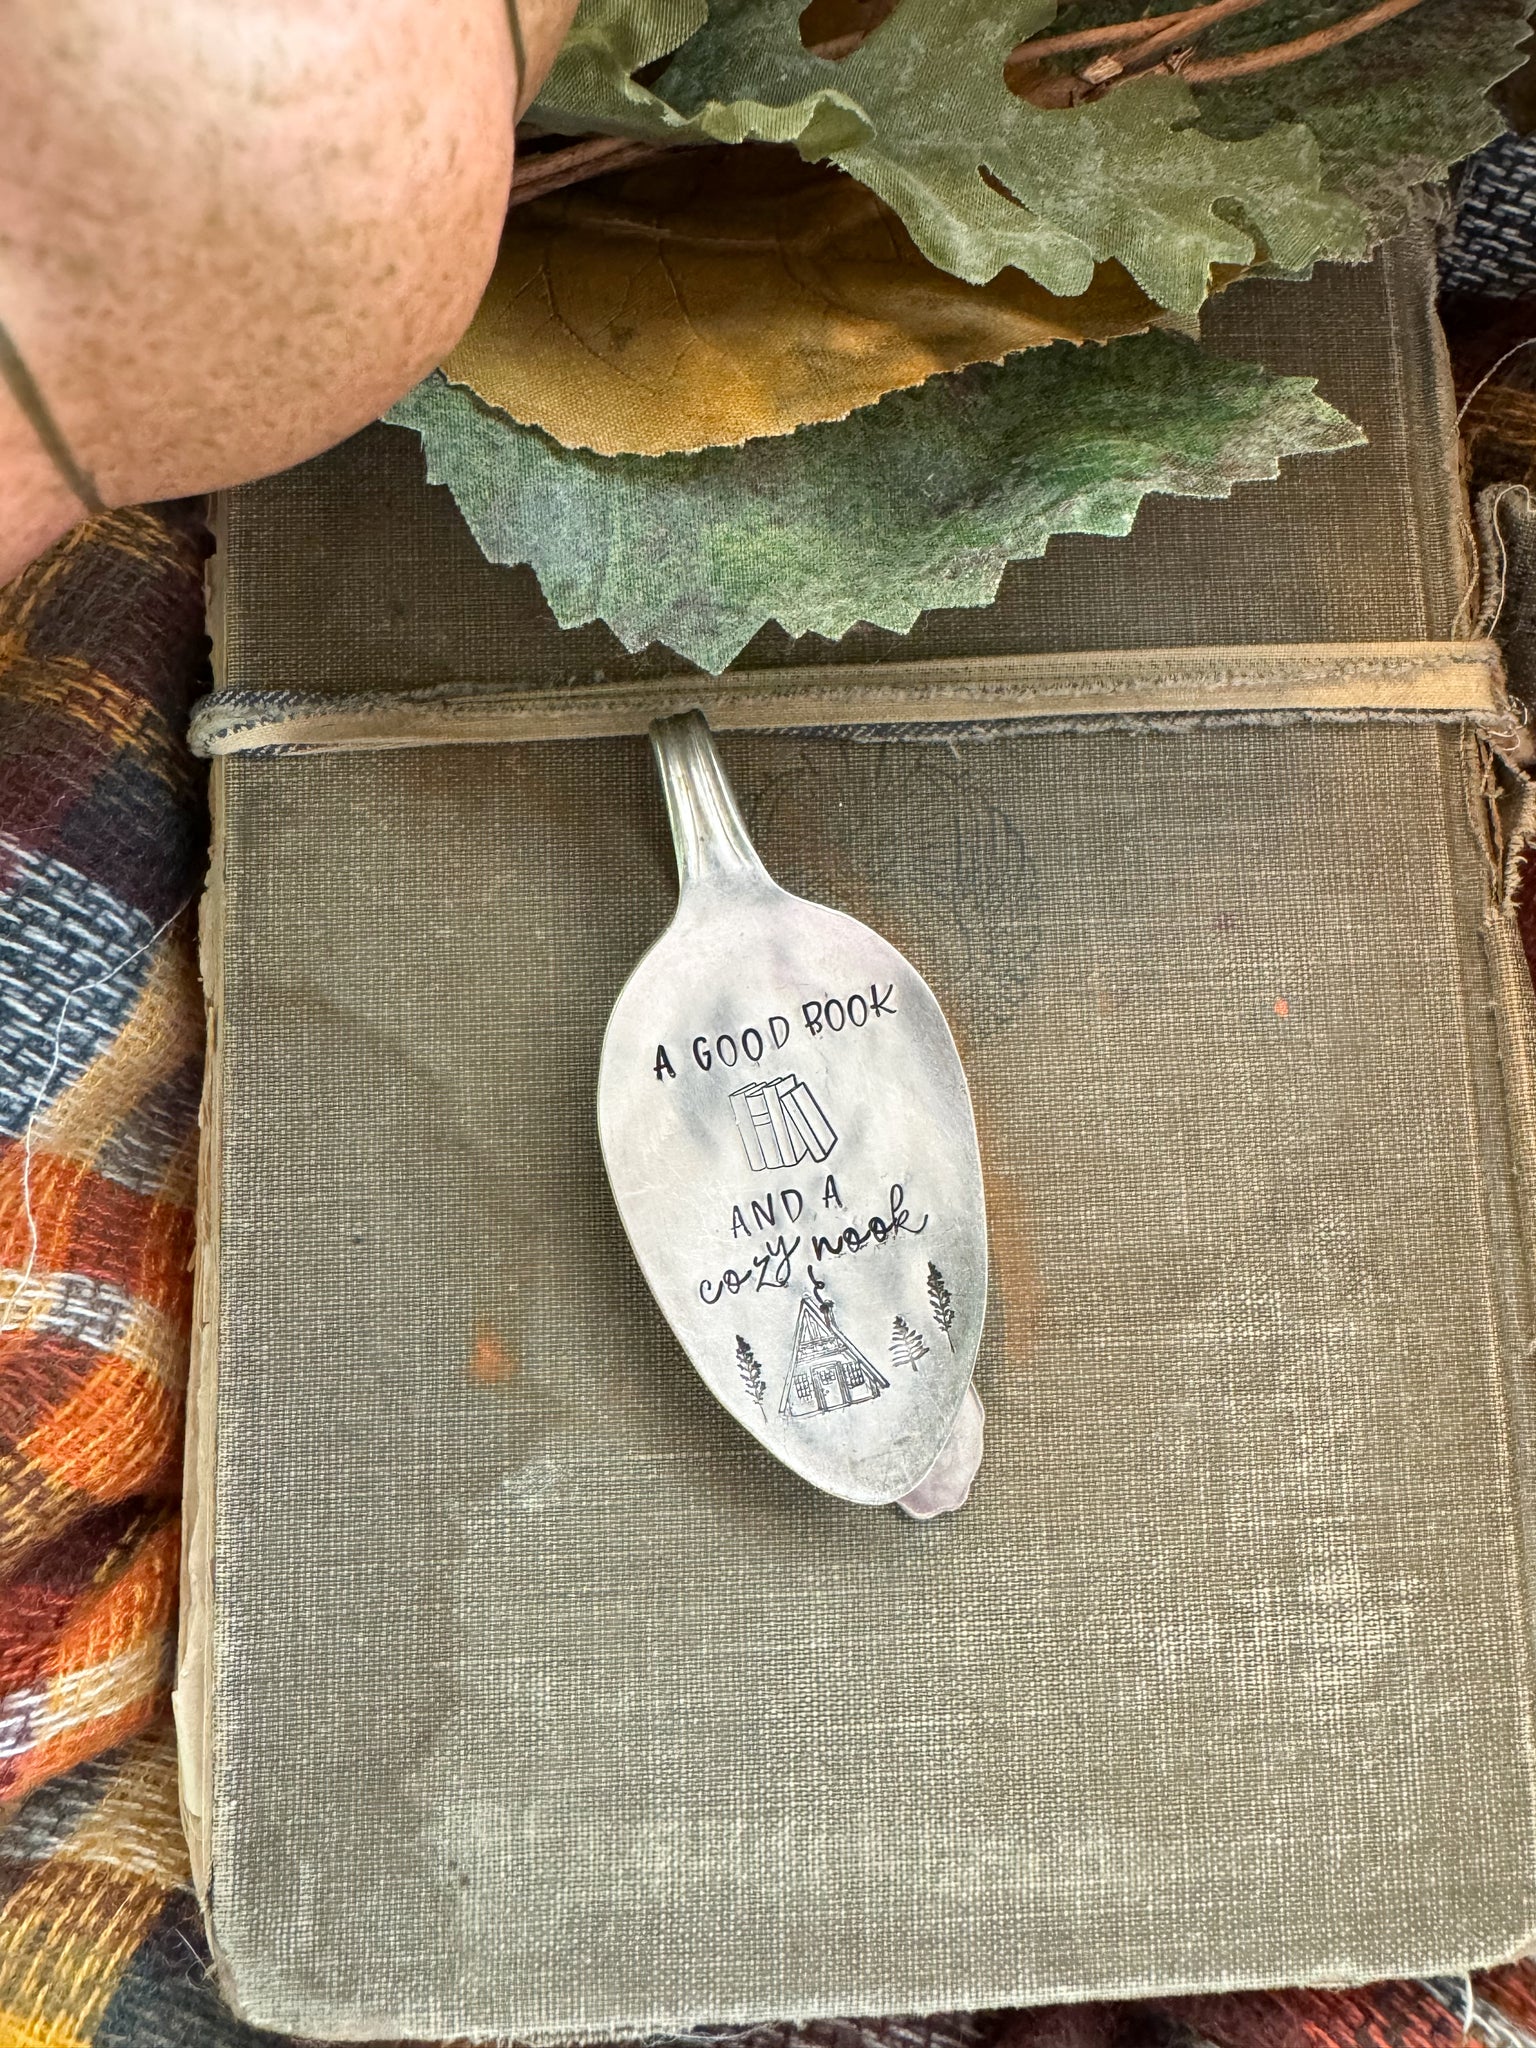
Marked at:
<point>751,1372</point>
<point>941,1303</point>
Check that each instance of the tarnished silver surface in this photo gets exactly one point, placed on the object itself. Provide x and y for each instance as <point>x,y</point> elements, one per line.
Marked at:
<point>788,1133</point>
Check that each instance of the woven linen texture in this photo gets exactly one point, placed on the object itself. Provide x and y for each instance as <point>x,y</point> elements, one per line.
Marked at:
<point>1243,1369</point>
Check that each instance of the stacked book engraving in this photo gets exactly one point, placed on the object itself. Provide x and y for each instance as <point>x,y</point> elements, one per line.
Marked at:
<point>781,1123</point>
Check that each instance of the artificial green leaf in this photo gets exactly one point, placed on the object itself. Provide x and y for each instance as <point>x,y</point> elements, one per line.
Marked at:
<point>919,109</point>
<point>1390,109</point>
<point>591,88</point>
<point>921,113</point>
<point>918,501</point>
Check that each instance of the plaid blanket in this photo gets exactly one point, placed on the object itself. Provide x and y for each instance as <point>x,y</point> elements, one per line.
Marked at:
<point>102,838</point>
<point>100,828</point>
<point>1488,308</point>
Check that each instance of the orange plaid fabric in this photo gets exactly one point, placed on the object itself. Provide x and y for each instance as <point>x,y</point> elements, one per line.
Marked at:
<point>100,1045</point>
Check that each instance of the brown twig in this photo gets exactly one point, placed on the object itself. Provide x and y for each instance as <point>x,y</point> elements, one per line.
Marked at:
<point>1181,31</point>
<point>1114,33</point>
<point>1208,70</point>
<point>590,158</point>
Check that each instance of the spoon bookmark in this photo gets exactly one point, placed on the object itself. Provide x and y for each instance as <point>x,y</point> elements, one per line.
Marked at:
<point>789,1138</point>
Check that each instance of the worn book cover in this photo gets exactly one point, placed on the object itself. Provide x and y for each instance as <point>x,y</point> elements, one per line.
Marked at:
<point>521,1693</point>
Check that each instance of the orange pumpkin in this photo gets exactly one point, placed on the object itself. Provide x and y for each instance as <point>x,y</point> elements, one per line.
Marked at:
<point>233,231</point>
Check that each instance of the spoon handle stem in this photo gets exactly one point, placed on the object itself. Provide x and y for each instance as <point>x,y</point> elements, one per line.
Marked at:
<point>707,827</point>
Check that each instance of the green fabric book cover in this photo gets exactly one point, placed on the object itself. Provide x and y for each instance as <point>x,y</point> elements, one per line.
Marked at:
<point>521,1694</point>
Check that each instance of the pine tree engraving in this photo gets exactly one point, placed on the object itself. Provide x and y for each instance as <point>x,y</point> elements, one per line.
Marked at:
<point>907,1345</point>
<point>751,1372</point>
<point>941,1302</point>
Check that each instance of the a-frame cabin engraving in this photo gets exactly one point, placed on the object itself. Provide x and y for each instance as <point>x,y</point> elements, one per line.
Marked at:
<point>827,1370</point>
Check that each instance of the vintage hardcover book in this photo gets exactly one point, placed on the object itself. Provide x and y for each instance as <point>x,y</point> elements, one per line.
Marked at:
<point>521,1693</point>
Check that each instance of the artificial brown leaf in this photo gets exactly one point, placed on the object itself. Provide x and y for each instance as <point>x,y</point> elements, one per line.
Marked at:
<point>723,295</point>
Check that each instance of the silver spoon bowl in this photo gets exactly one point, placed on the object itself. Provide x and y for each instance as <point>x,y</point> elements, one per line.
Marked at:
<point>789,1137</point>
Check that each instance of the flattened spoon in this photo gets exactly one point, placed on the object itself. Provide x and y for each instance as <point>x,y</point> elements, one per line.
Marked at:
<point>789,1138</point>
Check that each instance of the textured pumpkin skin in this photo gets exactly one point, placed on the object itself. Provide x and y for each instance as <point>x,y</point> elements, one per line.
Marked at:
<point>234,231</point>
